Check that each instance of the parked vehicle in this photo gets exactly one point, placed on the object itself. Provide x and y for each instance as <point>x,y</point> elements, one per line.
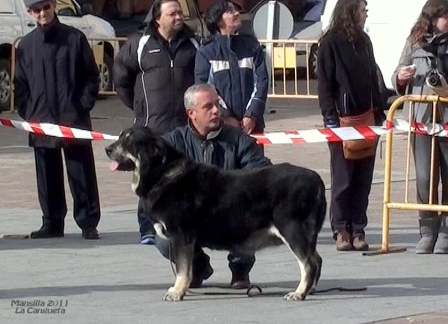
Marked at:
<point>127,16</point>
<point>306,25</point>
<point>15,22</point>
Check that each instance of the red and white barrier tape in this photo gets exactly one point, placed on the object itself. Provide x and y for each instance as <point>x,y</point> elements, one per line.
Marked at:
<point>56,130</point>
<point>289,137</point>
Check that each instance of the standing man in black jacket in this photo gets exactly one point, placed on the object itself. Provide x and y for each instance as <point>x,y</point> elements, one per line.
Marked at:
<point>56,81</point>
<point>152,72</point>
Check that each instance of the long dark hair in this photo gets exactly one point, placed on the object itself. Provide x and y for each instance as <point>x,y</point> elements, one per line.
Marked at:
<point>425,24</point>
<point>345,19</point>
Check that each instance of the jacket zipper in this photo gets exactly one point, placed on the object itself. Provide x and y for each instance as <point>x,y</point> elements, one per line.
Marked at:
<point>345,103</point>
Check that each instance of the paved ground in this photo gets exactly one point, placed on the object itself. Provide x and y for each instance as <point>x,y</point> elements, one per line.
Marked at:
<point>116,280</point>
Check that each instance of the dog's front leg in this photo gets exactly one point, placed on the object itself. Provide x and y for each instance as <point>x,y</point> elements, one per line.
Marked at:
<point>181,251</point>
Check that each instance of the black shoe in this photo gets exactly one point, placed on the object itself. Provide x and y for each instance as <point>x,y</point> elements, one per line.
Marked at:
<point>47,231</point>
<point>198,279</point>
<point>90,233</point>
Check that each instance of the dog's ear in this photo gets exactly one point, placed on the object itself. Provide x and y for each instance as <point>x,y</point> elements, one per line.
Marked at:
<point>161,148</point>
<point>158,149</point>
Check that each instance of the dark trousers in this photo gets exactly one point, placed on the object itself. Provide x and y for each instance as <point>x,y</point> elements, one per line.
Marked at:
<point>238,263</point>
<point>82,181</point>
<point>351,181</point>
<point>144,222</point>
<point>421,146</point>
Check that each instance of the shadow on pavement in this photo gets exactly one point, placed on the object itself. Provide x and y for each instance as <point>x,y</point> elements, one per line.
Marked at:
<point>376,288</point>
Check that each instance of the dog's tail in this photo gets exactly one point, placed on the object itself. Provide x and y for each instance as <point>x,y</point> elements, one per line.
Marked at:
<point>321,206</point>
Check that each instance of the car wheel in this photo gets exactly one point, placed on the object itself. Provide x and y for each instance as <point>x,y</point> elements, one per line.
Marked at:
<point>5,84</point>
<point>106,73</point>
<point>312,62</point>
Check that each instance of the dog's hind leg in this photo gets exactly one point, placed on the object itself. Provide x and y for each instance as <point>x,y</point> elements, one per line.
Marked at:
<point>318,272</point>
<point>306,255</point>
<point>182,255</point>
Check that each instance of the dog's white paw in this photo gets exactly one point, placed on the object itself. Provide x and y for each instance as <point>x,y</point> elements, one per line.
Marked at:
<point>294,296</point>
<point>173,295</point>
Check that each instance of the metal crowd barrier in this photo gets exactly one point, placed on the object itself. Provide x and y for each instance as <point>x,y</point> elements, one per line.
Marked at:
<point>292,68</point>
<point>388,204</point>
<point>291,65</point>
<point>104,50</point>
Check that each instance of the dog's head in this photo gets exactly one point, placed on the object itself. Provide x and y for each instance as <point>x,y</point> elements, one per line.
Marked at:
<point>137,149</point>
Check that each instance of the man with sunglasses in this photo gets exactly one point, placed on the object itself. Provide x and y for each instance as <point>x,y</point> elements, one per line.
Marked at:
<point>56,81</point>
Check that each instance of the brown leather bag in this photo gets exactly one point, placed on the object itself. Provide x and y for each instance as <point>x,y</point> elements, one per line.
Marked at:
<point>359,149</point>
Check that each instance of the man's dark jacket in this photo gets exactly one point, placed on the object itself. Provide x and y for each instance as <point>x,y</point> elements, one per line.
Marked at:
<point>151,76</point>
<point>236,66</point>
<point>228,148</point>
<point>56,80</point>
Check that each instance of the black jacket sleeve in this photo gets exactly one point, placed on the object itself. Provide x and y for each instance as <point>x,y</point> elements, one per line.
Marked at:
<point>89,75</point>
<point>201,67</point>
<point>249,154</point>
<point>326,82</point>
<point>125,71</point>
<point>21,87</point>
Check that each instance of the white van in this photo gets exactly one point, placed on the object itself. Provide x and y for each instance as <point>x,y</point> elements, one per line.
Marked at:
<point>388,24</point>
<point>15,22</point>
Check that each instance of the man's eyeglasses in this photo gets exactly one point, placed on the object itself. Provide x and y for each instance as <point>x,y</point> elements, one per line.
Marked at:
<point>37,10</point>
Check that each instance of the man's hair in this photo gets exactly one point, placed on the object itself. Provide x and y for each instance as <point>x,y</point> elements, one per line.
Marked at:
<point>431,11</point>
<point>189,96</point>
<point>214,14</point>
<point>345,19</point>
<point>156,9</point>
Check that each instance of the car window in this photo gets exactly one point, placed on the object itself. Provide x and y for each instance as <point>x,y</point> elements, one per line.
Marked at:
<point>185,9</point>
<point>6,6</point>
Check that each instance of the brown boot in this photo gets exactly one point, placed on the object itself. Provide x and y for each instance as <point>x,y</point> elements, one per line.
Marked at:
<point>360,244</point>
<point>344,241</point>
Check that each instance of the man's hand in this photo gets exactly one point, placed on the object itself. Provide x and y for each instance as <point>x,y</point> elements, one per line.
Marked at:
<point>248,124</point>
<point>231,121</point>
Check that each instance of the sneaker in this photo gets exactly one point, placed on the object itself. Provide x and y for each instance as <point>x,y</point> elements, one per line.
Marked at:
<point>240,281</point>
<point>198,279</point>
<point>148,239</point>
<point>360,244</point>
<point>344,241</point>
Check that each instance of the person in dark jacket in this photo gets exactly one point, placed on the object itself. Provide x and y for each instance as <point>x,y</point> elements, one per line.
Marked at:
<point>206,140</point>
<point>235,64</point>
<point>348,86</point>
<point>151,73</point>
<point>56,81</point>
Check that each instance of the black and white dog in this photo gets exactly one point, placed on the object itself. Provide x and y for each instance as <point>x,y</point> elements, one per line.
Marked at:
<point>224,210</point>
